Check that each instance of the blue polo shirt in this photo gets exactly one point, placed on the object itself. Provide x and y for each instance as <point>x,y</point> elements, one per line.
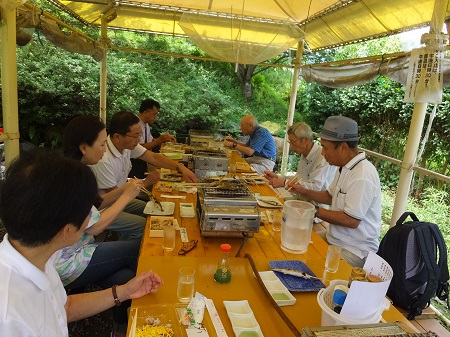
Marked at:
<point>263,143</point>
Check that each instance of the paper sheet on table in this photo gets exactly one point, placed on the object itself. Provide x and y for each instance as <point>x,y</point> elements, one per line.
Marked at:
<point>364,298</point>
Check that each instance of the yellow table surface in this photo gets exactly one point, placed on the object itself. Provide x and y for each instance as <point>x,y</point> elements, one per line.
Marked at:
<point>263,247</point>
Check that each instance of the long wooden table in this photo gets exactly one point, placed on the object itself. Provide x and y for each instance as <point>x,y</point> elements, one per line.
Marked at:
<point>263,247</point>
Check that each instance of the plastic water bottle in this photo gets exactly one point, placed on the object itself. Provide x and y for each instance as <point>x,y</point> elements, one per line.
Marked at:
<point>223,271</point>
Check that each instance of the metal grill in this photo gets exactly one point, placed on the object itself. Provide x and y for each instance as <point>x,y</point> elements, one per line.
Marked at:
<point>210,153</point>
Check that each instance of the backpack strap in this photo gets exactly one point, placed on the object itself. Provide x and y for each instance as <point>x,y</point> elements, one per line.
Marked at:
<point>403,217</point>
<point>427,237</point>
<point>442,289</point>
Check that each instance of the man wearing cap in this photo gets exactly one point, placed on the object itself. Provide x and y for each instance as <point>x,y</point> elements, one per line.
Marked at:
<point>354,194</point>
<point>260,150</point>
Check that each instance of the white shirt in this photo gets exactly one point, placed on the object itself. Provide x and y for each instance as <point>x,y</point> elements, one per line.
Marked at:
<point>31,301</point>
<point>146,136</point>
<point>356,191</point>
<point>314,171</point>
<point>112,170</point>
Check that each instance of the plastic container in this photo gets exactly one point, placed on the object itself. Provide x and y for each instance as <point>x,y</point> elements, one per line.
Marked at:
<point>331,318</point>
<point>297,224</point>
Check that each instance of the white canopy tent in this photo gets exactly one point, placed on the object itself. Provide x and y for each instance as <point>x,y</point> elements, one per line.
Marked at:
<point>326,23</point>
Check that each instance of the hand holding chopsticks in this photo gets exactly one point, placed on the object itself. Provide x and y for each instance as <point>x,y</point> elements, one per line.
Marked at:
<point>290,184</point>
<point>152,197</point>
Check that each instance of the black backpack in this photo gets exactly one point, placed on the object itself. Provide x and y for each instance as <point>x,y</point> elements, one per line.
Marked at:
<point>411,249</point>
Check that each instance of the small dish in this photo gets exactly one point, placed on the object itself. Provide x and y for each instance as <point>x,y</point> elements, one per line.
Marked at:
<point>246,321</point>
<point>153,209</point>
<point>237,307</point>
<point>248,332</point>
<point>268,201</point>
<point>277,289</point>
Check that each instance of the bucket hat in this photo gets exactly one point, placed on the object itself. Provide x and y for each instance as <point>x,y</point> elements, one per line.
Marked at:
<point>339,129</point>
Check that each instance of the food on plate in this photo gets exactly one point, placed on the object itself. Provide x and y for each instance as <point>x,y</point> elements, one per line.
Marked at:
<point>154,331</point>
<point>170,176</point>
<point>164,186</point>
<point>159,223</point>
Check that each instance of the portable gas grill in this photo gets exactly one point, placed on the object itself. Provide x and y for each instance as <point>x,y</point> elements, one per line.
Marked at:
<point>210,161</point>
<point>228,208</point>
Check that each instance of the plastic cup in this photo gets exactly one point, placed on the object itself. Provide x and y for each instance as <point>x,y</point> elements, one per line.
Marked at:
<point>333,257</point>
<point>169,238</point>
<point>186,280</point>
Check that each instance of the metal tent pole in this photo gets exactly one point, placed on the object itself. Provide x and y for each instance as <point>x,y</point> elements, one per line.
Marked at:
<point>293,100</point>
<point>9,84</point>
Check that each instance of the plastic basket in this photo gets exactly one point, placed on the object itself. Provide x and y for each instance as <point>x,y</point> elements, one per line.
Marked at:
<point>331,318</point>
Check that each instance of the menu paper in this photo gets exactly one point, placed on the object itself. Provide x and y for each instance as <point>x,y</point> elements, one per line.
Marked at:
<point>364,297</point>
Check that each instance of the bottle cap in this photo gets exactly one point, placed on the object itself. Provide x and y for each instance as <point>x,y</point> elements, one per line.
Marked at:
<point>225,247</point>
<point>339,296</point>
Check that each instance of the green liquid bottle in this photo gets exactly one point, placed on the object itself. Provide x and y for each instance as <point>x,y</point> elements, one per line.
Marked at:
<point>223,271</point>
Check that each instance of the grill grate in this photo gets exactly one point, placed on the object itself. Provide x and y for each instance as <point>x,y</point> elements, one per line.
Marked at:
<point>210,153</point>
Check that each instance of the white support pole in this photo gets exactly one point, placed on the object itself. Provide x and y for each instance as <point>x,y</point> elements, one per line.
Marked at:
<point>415,129</point>
<point>292,101</point>
<point>103,69</point>
<point>406,173</point>
<point>9,84</point>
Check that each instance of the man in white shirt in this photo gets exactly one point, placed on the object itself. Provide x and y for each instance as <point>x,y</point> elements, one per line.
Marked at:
<point>148,114</point>
<point>40,221</point>
<point>112,170</point>
<point>313,170</point>
<point>354,194</point>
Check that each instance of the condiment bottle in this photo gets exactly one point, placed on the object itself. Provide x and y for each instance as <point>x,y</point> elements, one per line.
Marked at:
<point>223,271</point>
<point>357,272</point>
<point>339,296</point>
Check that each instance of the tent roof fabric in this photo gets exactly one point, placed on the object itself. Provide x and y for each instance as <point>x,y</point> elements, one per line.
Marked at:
<point>326,23</point>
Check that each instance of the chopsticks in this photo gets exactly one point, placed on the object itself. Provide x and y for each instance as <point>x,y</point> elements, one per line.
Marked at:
<point>152,197</point>
<point>296,179</point>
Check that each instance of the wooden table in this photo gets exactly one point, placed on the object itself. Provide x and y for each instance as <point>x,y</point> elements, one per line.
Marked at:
<point>263,247</point>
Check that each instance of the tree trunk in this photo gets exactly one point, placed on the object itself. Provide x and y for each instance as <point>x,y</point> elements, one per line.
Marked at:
<point>244,74</point>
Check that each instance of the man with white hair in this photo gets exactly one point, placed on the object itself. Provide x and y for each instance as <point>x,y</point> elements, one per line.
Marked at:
<point>260,150</point>
<point>354,194</point>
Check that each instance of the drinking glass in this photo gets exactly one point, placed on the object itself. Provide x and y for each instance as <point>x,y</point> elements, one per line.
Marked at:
<point>332,261</point>
<point>232,168</point>
<point>169,238</point>
<point>276,220</point>
<point>185,290</point>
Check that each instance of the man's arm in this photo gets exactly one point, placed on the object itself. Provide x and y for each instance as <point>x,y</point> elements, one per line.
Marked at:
<point>85,305</point>
<point>337,218</point>
<point>164,138</point>
<point>160,160</point>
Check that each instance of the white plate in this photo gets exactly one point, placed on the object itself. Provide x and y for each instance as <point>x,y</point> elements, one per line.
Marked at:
<point>153,209</point>
<point>277,289</point>
<point>261,201</point>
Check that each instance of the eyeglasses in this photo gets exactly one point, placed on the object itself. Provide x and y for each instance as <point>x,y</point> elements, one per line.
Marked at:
<point>293,141</point>
<point>136,135</point>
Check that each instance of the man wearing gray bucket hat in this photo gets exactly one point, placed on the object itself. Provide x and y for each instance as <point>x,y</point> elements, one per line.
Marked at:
<point>354,194</point>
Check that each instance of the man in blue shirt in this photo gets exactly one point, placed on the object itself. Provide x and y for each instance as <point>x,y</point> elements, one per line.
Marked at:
<point>260,150</point>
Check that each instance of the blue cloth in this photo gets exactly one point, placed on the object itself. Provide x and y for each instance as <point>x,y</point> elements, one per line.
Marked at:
<point>263,143</point>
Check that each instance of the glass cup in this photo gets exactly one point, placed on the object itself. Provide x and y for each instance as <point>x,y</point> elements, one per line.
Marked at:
<point>185,290</point>
<point>232,168</point>
<point>333,257</point>
<point>169,238</point>
<point>276,220</point>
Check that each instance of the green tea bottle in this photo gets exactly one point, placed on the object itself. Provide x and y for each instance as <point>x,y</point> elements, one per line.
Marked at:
<point>223,272</point>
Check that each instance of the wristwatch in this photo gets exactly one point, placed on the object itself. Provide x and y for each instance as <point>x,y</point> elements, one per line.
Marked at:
<point>234,145</point>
